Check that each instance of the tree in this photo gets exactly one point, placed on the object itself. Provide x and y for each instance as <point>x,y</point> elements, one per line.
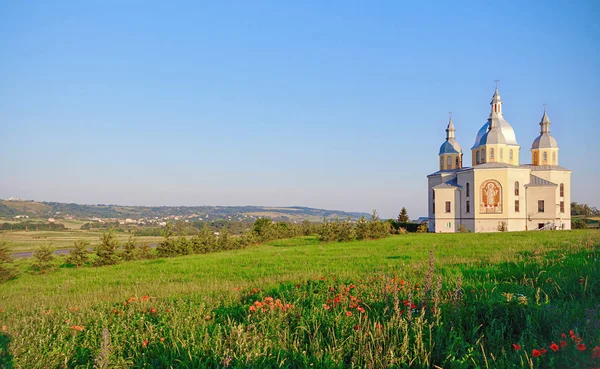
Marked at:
<point>168,246</point>
<point>107,249</point>
<point>130,249</point>
<point>6,271</point>
<point>43,258</point>
<point>144,251</point>
<point>224,240</point>
<point>403,216</point>
<point>78,256</point>
<point>362,229</point>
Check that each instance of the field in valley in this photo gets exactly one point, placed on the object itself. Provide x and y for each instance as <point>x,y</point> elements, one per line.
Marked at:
<point>503,300</point>
<point>24,241</point>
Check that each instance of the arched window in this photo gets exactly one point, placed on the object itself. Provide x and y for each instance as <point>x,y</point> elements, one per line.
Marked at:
<point>433,194</point>
<point>441,162</point>
<point>483,155</point>
<point>477,157</point>
<point>457,166</point>
<point>554,157</point>
<point>468,189</point>
<point>449,162</point>
<point>517,188</point>
<point>562,190</point>
<point>491,153</point>
<point>535,158</point>
<point>510,155</point>
<point>545,156</point>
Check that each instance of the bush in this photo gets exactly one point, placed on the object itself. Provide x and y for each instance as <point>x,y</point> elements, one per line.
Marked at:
<point>107,250</point>
<point>6,272</point>
<point>423,228</point>
<point>43,258</point>
<point>144,251</point>
<point>79,255</point>
<point>578,223</point>
<point>130,249</point>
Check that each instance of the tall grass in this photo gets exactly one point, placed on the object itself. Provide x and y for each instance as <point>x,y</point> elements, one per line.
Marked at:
<point>421,301</point>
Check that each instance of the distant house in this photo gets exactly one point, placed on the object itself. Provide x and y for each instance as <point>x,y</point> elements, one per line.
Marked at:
<point>51,220</point>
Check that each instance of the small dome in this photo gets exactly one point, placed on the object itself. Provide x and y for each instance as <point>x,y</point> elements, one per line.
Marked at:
<point>545,141</point>
<point>450,148</point>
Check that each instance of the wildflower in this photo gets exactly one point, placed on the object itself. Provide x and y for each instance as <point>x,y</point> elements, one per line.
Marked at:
<point>153,310</point>
<point>563,344</point>
<point>378,326</point>
<point>124,303</point>
<point>356,327</point>
<point>581,347</point>
<point>596,352</point>
<point>4,328</point>
<point>167,310</point>
<point>207,317</point>
<point>360,309</point>
<point>543,351</point>
<point>571,333</point>
<point>536,353</point>
<point>554,347</point>
<point>162,339</point>
<point>563,335</point>
<point>67,321</point>
<point>145,343</point>
<point>516,347</point>
<point>78,328</point>
<point>326,307</point>
<point>348,313</point>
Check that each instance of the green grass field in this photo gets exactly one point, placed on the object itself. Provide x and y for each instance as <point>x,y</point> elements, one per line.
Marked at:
<point>22,241</point>
<point>300,303</point>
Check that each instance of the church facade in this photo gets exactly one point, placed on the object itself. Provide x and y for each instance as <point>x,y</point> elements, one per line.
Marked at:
<point>498,193</point>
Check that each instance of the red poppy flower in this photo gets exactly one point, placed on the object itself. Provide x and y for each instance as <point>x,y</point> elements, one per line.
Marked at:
<point>596,352</point>
<point>554,347</point>
<point>564,335</point>
<point>536,353</point>
<point>516,347</point>
<point>145,343</point>
<point>563,344</point>
<point>543,351</point>
<point>581,347</point>
<point>348,313</point>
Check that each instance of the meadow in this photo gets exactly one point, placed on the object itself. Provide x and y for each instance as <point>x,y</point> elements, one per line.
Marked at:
<point>502,300</point>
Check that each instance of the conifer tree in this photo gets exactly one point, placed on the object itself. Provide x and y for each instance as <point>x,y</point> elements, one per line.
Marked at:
<point>78,256</point>
<point>43,258</point>
<point>6,272</point>
<point>403,216</point>
<point>130,249</point>
<point>106,251</point>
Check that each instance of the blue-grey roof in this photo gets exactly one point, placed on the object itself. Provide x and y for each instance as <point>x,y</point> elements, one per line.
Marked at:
<point>453,183</point>
<point>447,148</point>
<point>535,181</point>
<point>494,165</point>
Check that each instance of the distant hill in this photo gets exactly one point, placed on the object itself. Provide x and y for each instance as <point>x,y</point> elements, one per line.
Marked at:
<point>57,209</point>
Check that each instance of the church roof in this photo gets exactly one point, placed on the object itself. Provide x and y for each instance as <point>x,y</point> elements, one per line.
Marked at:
<point>543,167</point>
<point>448,148</point>
<point>494,165</point>
<point>453,183</point>
<point>535,181</point>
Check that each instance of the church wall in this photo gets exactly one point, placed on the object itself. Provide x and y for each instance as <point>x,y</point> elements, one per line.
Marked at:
<point>548,195</point>
<point>466,218</point>
<point>558,177</point>
<point>445,222</point>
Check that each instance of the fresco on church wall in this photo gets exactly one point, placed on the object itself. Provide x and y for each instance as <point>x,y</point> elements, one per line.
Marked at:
<point>491,197</point>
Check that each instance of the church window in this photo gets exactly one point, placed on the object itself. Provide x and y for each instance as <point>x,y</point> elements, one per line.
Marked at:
<point>516,206</point>
<point>468,189</point>
<point>457,166</point>
<point>540,206</point>
<point>491,153</point>
<point>562,190</point>
<point>483,155</point>
<point>441,162</point>
<point>477,157</point>
<point>535,158</point>
<point>545,156</point>
<point>510,155</point>
<point>554,158</point>
<point>449,163</point>
<point>501,154</point>
<point>562,206</point>
<point>468,207</point>
<point>449,225</point>
<point>433,194</point>
<point>517,188</point>
<point>433,208</point>
<point>448,206</point>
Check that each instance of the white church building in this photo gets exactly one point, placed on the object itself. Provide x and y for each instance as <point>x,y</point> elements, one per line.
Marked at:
<point>498,192</point>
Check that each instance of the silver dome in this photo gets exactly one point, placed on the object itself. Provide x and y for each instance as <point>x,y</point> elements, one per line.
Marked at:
<point>507,131</point>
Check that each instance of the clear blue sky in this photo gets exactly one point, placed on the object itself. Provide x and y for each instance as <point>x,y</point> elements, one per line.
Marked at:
<point>330,104</point>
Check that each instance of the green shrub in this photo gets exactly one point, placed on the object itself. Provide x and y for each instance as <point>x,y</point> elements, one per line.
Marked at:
<point>78,256</point>
<point>43,258</point>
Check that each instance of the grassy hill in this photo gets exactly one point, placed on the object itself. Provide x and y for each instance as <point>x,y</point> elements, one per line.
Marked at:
<point>299,303</point>
<point>46,209</point>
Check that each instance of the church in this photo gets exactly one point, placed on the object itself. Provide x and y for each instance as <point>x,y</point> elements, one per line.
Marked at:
<point>498,193</point>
